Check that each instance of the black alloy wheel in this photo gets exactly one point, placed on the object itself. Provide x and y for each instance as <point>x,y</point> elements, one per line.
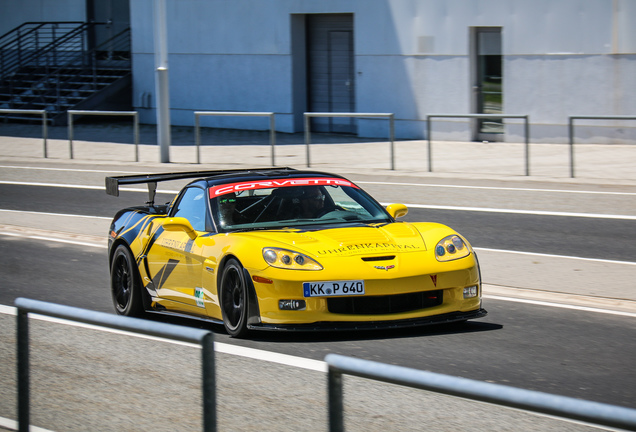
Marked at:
<point>124,283</point>
<point>234,299</point>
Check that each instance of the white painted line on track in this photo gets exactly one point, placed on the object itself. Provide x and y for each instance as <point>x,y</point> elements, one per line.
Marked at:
<point>559,305</point>
<point>253,353</point>
<point>523,212</point>
<point>54,239</point>
<point>429,185</point>
<point>420,206</point>
<point>69,170</point>
<point>598,260</point>
<point>13,425</point>
<point>55,214</point>
<point>89,187</point>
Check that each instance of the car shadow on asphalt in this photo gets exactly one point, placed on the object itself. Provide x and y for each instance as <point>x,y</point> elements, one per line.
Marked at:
<point>361,335</point>
<point>275,336</point>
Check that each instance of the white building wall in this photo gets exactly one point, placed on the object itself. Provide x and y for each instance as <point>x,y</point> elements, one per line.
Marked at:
<point>412,58</point>
<point>16,12</point>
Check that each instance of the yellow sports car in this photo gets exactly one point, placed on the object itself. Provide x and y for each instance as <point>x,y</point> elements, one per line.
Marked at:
<point>284,249</point>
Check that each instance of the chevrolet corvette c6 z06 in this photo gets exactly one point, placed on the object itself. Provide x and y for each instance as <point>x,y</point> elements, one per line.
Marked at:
<point>285,249</point>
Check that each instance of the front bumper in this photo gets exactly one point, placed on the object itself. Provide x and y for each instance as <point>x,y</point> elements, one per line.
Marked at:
<point>374,325</point>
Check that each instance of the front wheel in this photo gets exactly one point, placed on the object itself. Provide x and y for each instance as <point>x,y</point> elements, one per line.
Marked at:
<point>124,283</point>
<point>234,299</point>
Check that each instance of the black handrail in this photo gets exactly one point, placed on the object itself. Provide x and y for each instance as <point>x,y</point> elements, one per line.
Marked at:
<point>87,60</point>
<point>25,43</point>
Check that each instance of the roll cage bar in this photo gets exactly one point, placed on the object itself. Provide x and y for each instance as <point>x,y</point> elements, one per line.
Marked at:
<point>112,183</point>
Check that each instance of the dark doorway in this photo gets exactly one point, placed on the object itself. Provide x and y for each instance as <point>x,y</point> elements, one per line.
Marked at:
<point>488,82</point>
<point>116,15</point>
<point>330,70</point>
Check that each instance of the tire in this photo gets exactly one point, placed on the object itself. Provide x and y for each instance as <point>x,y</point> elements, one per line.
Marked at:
<point>125,286</point>
<point>234,299</point>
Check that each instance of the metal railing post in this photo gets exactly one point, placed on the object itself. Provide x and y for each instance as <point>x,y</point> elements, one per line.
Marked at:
<point>132,114</point>
<point>571,141</point>
<point>483,116</point>
<point>197,136</point>
<point>45,132</point>
<point>42,113</point>
<point>209,383</point>
<point>204,338</point>
<point>70,133</point>
<point>272,137</point>
<point>392,138</point>
<point>24,397</point>
<point>430,146</point>
<point>390,116</point>
<point>136,133</point>
<point>526,131</point>
<point>272,126</point>
<point>571,131</point>
<point>527,400</point>
<point>336,408</point>
<point>307,139</point>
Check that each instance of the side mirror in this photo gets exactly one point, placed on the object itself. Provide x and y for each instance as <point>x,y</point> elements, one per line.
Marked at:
<point>397,210</point>
<point>180,224</point>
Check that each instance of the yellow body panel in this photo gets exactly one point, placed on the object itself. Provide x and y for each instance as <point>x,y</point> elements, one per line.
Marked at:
<point>181,273</point>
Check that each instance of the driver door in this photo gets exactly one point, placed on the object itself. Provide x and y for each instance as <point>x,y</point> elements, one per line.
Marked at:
<point>175,260</point>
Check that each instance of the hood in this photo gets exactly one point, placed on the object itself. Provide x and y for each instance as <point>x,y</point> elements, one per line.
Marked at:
<point>389,239</point>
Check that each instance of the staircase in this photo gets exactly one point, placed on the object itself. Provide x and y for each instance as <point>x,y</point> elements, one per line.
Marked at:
<point>48,66</point>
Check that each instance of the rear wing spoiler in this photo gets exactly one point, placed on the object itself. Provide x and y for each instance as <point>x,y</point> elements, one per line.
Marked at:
<point>112,183</point>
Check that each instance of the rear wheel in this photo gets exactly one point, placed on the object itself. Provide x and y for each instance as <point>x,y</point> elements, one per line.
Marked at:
<point>234,299</point>
<point>124,283</point>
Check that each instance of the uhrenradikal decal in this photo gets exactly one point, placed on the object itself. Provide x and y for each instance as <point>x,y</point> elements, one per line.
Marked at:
<point>369,247</point>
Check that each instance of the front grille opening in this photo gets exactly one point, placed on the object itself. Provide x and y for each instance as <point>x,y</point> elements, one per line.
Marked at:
<point>379,258</point>
<point>381,305</point>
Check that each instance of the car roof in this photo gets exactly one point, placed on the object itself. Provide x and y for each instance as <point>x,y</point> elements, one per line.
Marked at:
<point>251,174</point>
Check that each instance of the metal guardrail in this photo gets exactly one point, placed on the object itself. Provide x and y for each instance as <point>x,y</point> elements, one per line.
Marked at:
<point>390,116</point>
<point>571,131</point>
<point>272,127</point>
<point>134,114</point>
<point>478,116</point>
<point>35,112</point>
<point>204,338</point>
<point>527,400</point>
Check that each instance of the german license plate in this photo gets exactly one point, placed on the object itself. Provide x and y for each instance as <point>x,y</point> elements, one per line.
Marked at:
<point>333,288</point>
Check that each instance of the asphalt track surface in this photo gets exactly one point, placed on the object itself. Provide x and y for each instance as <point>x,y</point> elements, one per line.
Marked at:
<point>570,352</point>
<point>530,346</point>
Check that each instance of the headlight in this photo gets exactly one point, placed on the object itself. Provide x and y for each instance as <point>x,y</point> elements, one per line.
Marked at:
<point>451,248</point>
<point>287,259</point>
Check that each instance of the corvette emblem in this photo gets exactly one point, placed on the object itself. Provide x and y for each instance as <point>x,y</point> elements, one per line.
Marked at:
<point>387,268</point>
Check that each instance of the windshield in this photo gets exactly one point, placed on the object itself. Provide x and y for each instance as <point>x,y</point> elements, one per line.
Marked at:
<point>295,203</point>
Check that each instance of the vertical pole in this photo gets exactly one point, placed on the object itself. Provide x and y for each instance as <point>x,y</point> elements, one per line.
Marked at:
<point>136,132</point>
<point>45,132</point>
<point>209,383</point>
<point>336,417</point>
<point>571,138</point>
<point>197,136</point>
<point>527,134</point>
<point>428,136</point>
<point>23,371</point>
<point>307,138</point>
<point>70,133</point>
<point>392,138</point>
<point>272,137</point>
<point>161,87</point>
